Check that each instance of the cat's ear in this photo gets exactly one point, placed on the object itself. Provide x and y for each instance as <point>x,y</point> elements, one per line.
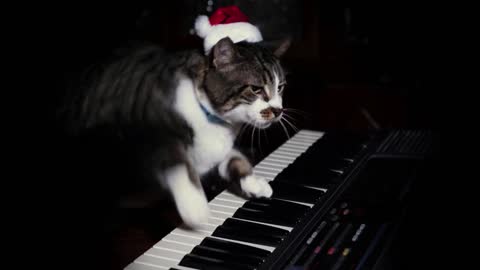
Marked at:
<point>223,52</point>
<point>283,47</point>
<point>277,47</point>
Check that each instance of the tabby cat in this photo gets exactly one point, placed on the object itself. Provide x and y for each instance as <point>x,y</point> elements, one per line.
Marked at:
<point>186,110</point>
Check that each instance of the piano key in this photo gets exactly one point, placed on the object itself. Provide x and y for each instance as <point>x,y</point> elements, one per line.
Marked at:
<point>274,170</point>
<point>294,148</point>
<point>300,142</point>
<point>297,193</point>
<point>144,266</point>
<point>231,197</point>
<point>320,179</point>
<point>234,247</point>
<point>165,253</point>
<point>272,164</point>
<point>183,239</point>
<point>202,262</point>
<point>220,214</point>
<point>225,203</point>
<point>162,263</point>
<point>263,173</point>
<point>265,216</point>
<point>250,232</point>
<point>289,153</point>
<point>222,209</point>
<point>247,236</point>
<point>254,226</point>
<point>272,211</point>
<point>280,157</point>
<point>179,247</point>
<point>282,205</point>
<point>227,255</point>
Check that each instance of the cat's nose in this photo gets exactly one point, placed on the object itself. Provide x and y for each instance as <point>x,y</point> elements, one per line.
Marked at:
<point>276,111</point>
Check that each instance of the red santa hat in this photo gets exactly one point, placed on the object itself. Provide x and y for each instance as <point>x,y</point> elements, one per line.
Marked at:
<point>226,22</point>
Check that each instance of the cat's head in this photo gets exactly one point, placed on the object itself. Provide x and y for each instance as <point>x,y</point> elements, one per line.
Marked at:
<point>245,82</point>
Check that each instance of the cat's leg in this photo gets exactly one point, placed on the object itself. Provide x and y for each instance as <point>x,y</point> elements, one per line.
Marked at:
<point>238,170</point>
<point>188,194</point>
<point>184,185</point>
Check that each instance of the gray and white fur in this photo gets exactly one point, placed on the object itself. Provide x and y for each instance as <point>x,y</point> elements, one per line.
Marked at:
<point>167,102</point>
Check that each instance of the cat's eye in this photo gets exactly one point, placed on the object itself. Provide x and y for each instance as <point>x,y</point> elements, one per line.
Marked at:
<point>256,89</point>
<point>281,87</point>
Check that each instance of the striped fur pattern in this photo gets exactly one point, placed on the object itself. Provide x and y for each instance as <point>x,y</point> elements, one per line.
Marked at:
<point>155,101</point>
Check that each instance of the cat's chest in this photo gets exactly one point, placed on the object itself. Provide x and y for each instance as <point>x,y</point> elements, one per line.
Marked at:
<point>211,142</point>
<point>211,146</point>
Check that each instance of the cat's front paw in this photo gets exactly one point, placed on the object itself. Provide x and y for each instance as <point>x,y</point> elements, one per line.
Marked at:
<point>256,187</point>
<point>194,210</point>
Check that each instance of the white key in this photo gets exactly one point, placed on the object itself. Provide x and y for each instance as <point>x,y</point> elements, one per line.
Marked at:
<point>275,170</point>
<point>156,261</point>
<point>184,240</point>
<point>144,266</point>
<point>229,196</point>
<point>269,163</point>
<point>225,203</point>
<point>293,147</point>
<point>173,246</point>
<point>221,209</point>
<point>165,253</point>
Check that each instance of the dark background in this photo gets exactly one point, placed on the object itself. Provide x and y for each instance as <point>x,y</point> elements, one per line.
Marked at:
<point>350,67</point>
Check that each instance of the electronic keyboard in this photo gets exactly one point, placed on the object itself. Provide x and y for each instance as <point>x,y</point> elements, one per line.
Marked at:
<point>330,207</point>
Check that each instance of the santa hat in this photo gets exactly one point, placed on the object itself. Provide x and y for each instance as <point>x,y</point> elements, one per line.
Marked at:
<point>225,22</point>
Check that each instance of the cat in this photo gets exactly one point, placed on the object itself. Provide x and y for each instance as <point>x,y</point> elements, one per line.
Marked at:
<point>186,109</point>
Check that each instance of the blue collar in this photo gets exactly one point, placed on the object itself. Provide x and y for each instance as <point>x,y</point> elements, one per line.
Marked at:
<point>212,118</point>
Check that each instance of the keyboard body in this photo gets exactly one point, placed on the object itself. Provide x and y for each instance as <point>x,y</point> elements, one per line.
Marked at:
<point>338,200</point>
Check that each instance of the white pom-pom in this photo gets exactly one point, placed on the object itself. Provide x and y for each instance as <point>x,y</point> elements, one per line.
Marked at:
<point>202,26</point>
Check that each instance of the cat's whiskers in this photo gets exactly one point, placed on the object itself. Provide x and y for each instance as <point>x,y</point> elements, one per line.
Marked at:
<point>296,111</point>
<point>260,141</point>
<point>284,128</point>
<point>243,127</point>
<point>253,132</point>
<point>291,118</point>
<point>291,125</point>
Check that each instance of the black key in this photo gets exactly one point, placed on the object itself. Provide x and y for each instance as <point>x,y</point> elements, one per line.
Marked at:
<point>234,247</point>
<point>339,164</point>
<point>227,256</point>
<point>266,216</point>
<point>293,192</point>
<point>320,178</point>
<point>272,211</point>
<point>250,232</point>
<point>202,262</point>
<point>275,204</point>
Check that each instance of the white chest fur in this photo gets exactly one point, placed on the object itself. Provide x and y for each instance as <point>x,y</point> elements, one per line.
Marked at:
<point>212,142</point>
